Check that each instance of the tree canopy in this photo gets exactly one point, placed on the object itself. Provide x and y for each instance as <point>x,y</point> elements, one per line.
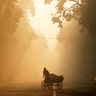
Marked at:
<point>10,14</point>
<point>82,10</point>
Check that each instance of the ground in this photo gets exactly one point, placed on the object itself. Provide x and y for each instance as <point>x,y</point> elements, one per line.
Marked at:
<point>84,91</point>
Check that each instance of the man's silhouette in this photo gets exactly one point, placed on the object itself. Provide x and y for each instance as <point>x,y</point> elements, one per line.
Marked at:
<point>45,75</point>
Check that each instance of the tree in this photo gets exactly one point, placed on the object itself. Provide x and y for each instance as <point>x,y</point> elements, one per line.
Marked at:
<point>16,37</point>
<point>82,10</point>
<point>10,15</point>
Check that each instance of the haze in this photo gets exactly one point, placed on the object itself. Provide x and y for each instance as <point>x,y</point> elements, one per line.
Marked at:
<point>35,45</point>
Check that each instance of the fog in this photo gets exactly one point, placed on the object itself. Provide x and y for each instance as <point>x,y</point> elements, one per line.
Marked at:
<point>25,50</point>
<point>77,52</point>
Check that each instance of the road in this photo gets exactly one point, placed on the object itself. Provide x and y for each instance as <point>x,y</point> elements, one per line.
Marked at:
<point>53,92</point>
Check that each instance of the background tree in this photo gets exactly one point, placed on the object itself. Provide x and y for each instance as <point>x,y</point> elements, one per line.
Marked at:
<point>82,10</point>
<point>10,15</point>
<point>18,40</point>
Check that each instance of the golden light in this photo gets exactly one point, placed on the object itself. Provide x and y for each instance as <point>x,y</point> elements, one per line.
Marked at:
<point>68,4</point>
<point>42,22</point>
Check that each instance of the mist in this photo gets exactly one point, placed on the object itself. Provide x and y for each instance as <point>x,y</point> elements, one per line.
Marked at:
<point>26,50</point>
<point>16,37</point>
<point>77,53</point>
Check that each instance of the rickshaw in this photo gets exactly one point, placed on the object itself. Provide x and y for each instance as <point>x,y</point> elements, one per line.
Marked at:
<point>53,80</point>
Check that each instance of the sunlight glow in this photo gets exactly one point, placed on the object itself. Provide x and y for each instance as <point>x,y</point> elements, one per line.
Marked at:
<point>42,21</point>
<point>68,4</point>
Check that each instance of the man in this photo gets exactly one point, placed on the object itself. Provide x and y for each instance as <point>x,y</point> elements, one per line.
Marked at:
<point>46,75</point>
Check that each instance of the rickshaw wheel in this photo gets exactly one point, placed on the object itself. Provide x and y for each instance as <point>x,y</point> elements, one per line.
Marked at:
<point>43,84</point>
<point>60,85</point>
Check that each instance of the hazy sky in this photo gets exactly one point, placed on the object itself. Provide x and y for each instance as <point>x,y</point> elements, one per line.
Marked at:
<point>42,21</point>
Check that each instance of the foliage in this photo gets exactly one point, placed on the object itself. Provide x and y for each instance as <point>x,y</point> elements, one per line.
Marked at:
<point>9,15</point>
<point>48,1</point>
<point>82,10</point>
